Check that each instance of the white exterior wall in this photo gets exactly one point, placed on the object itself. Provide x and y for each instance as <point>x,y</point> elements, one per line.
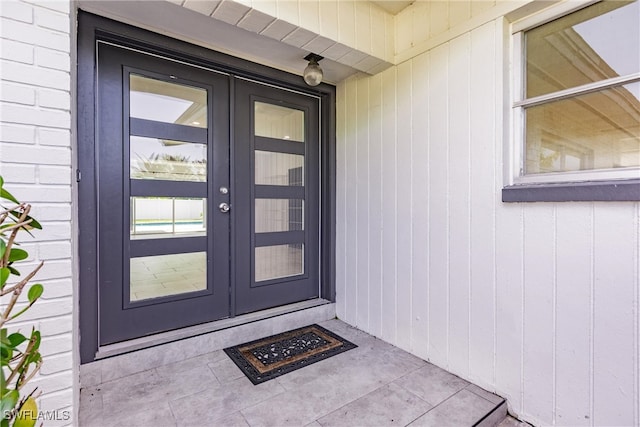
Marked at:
<point>537,302</point>
<point>356,24</point>
<point>424,20</point>
<point>35,161</point>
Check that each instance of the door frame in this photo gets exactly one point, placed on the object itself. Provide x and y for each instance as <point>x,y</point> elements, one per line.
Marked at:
<point>93,28</point>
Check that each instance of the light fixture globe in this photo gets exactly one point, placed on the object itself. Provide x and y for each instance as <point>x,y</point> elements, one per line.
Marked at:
<point>313,73</point>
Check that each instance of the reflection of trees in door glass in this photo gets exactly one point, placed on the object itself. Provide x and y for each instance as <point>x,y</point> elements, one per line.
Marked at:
<point>168,160</point>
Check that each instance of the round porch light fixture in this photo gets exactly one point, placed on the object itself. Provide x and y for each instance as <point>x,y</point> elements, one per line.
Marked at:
<point>313,73</point>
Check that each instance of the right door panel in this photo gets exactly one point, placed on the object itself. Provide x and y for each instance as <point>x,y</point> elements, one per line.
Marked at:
<point>276,199</point>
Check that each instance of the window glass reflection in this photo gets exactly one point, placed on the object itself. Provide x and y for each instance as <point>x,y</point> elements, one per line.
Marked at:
<point>152,158</point>
<point>273,215</point>
<point>164,275</point>
<point>274,262</point>
<point>161,217</point>
<point>593,44</point>
<point>162,101</point>
<point>599,130</point>
<point>274,121</point>
<point>278,168</point>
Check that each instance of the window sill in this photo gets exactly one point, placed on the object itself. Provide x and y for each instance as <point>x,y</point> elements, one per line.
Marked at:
<point>606,191</point>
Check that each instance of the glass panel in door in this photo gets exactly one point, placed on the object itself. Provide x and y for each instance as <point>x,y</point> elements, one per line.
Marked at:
<point>273,168</point>
<point>275,121</point>
<point>279,261</point>
<point>277,165</point>
<point>153,214</point>
<point>162,217</point>
<point>169,160</point>
<point>276,215</point>
<point>168,102</point>
<point>164,275</point>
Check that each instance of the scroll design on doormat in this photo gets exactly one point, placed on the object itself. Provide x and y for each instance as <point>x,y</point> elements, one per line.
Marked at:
<point>267,358</point>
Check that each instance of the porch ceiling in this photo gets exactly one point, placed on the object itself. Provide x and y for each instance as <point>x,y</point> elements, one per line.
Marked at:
<point>195,27</point>
<point>392,6</point>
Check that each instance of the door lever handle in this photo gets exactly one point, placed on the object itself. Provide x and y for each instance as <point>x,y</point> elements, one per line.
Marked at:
<point>224,207</point>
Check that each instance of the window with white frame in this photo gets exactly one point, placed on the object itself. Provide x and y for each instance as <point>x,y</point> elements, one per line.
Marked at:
<point>577,95</point>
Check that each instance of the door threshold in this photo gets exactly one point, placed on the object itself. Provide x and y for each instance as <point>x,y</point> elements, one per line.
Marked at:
<point>205,328</point>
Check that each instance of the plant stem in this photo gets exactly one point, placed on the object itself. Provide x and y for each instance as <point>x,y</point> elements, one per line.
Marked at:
<point>20,365</point>
<point>24,381</point>
<point>7,211</point>
<point>17,290</point>
<point>17,225</point>
<point>25,213</point>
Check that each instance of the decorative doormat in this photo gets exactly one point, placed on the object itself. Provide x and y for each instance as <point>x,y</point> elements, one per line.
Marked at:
<point>268,358</point>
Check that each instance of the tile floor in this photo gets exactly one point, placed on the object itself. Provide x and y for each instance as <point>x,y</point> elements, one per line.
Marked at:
<point>375,384</point>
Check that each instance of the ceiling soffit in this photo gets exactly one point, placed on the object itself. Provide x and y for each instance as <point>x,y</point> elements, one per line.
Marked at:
<point>239,30</point>
<point>392,6</point>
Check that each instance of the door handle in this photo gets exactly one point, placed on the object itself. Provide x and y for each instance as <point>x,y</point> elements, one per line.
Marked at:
<point>224,207</point>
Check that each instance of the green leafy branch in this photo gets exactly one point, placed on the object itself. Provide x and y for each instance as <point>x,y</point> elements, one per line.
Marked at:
<point>19,354</point>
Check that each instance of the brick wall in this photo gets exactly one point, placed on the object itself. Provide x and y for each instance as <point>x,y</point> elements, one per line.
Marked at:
<point>35,161</point>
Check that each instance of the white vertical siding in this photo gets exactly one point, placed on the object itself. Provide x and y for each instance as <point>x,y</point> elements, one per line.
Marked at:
<point>362,200</point>
<point>389,210</point>
<point>351,205</point>
<point>573,293</point>
<point>341,201</point>
<point>404,201</point>
<point>539,281</point>
<point>510,304</point>
<point>616,235</point>
<point>483,196</point>
<point>375,203</point>
<point>420,199</point>
<point>427,19</point>
<point>437,214</point>
<point>459,182</point>
<point>355,24</point>
<point>537,302</point>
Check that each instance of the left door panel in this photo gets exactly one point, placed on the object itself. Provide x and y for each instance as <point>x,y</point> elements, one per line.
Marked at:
<point>162,154</point>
